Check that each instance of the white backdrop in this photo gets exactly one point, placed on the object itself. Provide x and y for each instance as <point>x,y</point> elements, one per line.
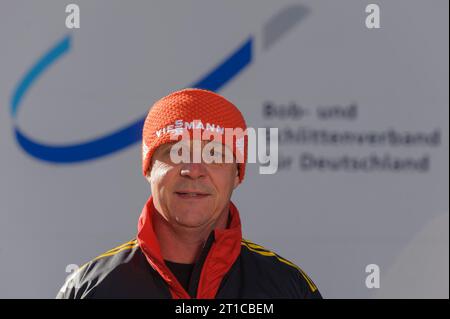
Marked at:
<point>315,56</point>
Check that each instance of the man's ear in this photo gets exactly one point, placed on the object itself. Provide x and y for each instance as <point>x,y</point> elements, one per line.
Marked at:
<point>147,176</point>
<point>236,178</point>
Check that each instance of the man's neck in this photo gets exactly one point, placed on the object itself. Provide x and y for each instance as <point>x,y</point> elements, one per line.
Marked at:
<point>184,245</point>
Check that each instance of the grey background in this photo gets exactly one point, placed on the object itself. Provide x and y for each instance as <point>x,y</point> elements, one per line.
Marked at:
<point>127,55</point>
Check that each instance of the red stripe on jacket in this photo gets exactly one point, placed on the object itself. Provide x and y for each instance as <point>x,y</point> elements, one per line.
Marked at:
<point>221,256</point>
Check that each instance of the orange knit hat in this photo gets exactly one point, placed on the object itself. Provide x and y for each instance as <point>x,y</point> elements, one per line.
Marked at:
<point>190,109</point>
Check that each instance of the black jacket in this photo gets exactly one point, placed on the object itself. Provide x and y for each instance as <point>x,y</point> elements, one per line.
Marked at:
<point>228,267</point>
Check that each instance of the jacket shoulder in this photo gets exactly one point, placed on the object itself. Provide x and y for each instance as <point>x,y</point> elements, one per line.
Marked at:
<point>289,280</point>
<point>83,282</point>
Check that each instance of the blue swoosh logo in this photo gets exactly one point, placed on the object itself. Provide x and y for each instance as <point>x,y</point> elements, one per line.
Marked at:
<point>126,136</point>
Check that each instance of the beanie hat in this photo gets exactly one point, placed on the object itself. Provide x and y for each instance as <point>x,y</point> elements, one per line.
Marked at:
<point>190,109</point>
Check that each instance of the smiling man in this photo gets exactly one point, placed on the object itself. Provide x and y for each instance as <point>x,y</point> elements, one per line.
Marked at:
<point>189,242</point>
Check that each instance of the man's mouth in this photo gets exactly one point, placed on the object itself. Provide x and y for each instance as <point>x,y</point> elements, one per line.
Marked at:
<point>191,195</point>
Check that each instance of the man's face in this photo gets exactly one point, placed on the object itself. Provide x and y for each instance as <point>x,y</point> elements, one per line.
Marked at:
<point>190,194</point>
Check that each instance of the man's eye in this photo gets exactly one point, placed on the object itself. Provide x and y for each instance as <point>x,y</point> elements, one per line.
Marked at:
<point>214,152</point>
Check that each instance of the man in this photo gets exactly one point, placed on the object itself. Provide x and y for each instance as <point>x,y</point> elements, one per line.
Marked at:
<point>189,242</point>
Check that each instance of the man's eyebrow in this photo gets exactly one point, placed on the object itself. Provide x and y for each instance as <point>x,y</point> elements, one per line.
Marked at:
<point>162,148</point>
<point>167,146</point>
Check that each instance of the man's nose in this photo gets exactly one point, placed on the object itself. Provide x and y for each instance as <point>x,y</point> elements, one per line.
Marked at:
<point>193,170</point>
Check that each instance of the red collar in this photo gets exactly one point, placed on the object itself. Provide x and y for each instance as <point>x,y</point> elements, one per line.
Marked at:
<point>221,256</point>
